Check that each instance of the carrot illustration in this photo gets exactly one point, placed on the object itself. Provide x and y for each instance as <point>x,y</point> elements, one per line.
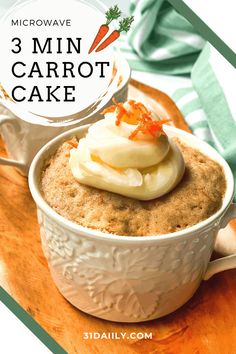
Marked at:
<point>112,14</point>
<point>125,24</point>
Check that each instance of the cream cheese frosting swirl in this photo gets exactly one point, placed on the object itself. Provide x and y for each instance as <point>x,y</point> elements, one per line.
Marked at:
<point>143,168</point>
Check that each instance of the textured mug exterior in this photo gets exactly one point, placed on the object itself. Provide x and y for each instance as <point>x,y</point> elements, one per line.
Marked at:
<point>125,282</point>
<point>125,278</point>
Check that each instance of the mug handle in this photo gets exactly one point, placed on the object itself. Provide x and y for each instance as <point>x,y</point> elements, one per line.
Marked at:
<point>228,262</point>
<point>4,160</point>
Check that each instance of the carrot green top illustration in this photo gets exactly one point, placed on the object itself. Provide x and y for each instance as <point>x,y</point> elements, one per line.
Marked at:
<point>125,24</point>
<point>112,14</point>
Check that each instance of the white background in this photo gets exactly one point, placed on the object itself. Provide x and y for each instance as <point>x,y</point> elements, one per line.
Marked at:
<point>14,336</point>
<point>219,16</point>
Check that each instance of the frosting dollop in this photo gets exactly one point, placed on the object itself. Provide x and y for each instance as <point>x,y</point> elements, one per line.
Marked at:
<point>128,153</point>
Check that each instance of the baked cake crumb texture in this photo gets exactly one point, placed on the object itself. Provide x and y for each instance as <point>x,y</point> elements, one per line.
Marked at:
<point>198,196</point>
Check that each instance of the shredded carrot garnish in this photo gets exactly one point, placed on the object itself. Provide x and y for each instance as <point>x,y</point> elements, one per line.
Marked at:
<point>110,109</point>
<point>138,115</point>
<point>73,143</point>
<point>119,107</point>
<point>151,127</point>
<point>121,112</point>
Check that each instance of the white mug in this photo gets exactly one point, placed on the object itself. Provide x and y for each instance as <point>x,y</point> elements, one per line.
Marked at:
<point>130,278</point>
<point>23,139</point>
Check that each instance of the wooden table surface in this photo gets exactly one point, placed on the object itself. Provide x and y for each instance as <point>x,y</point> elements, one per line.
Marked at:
<point>205,325</point>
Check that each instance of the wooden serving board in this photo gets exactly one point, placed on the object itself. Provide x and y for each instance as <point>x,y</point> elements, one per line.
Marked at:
<point>205,325</point>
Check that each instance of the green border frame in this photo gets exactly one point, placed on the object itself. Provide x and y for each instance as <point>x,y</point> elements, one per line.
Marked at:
<point>204,30</point>
<point>30,323</point>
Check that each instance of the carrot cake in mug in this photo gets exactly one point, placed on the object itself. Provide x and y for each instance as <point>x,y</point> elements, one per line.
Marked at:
<point>126,177</point>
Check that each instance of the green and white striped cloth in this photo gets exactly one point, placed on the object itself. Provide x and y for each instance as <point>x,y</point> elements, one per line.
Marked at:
<point>162,41</point>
